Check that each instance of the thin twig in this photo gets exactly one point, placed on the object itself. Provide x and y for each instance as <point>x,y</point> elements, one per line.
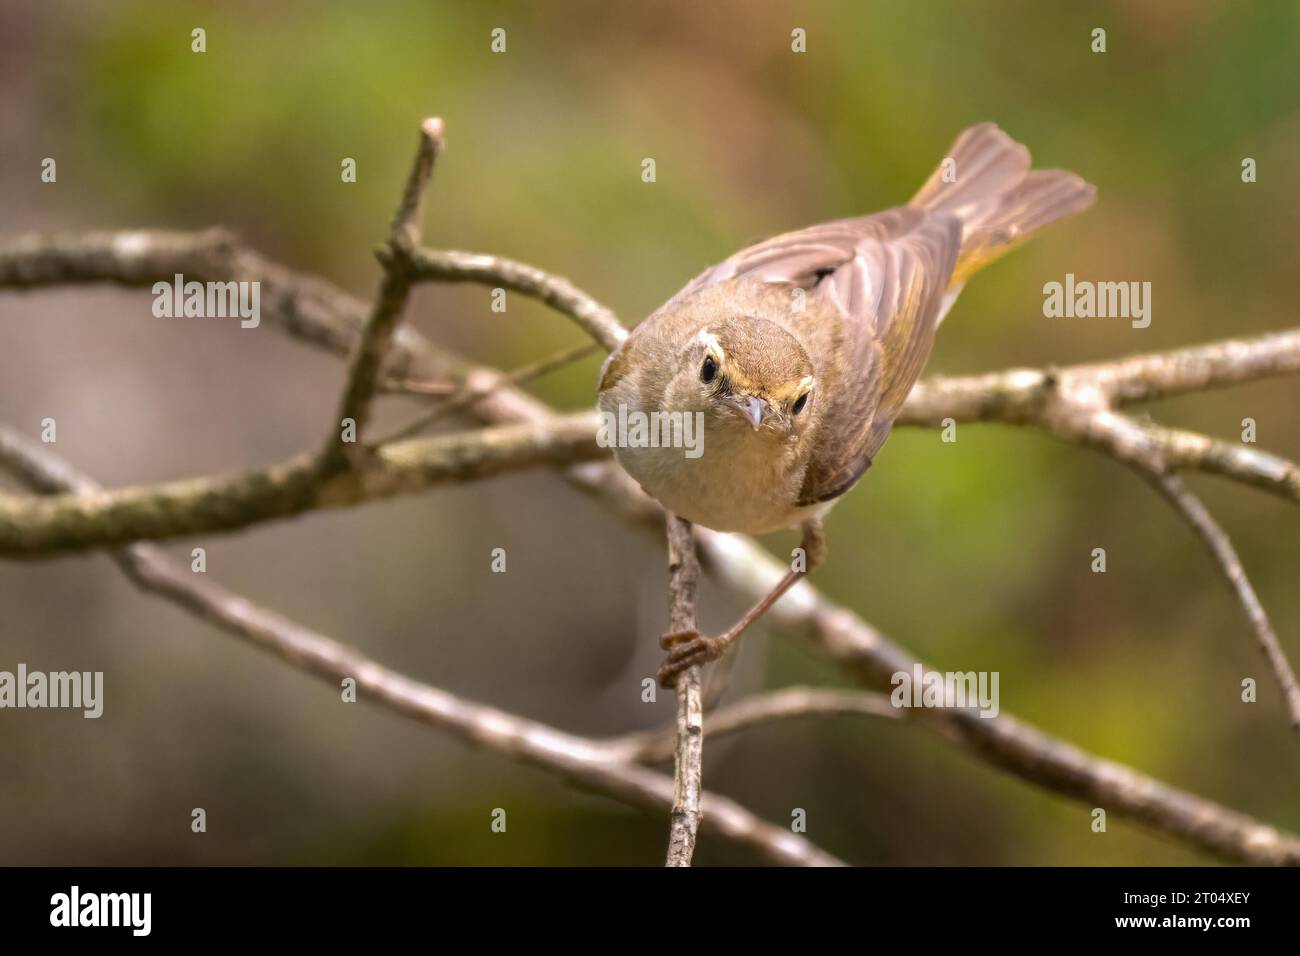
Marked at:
<point>461,398</point>
<point>1225,556</point>
<point>1142,446</point>
<point>372,349</point>
<point>447,265</point>
<point>788,703</point>
<point>405,230</point>
<point>688,773</point>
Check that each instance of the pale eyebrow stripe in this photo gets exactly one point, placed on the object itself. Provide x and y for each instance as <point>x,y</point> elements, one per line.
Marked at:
<point>711,342</point>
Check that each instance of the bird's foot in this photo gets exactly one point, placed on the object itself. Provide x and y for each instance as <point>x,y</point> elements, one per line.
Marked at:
<point>685,650</point>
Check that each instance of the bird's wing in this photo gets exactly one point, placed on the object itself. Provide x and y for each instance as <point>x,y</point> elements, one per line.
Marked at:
<point>890,296</point>
<point>885,276</point>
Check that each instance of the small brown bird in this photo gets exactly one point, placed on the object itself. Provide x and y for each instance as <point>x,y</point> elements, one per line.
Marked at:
<point>795,355</point>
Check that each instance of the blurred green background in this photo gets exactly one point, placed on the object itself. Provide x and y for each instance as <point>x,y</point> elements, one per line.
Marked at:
<point>975,555</point>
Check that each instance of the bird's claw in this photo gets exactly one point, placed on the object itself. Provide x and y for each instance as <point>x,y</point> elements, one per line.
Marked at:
<point>685,650</point>
<point>673,638</point>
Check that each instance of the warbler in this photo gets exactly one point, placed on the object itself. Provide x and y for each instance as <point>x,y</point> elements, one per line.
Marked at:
<point>796,354</point>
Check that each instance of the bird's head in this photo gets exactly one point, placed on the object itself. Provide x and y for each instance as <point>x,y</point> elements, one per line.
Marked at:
<point>747,375</point>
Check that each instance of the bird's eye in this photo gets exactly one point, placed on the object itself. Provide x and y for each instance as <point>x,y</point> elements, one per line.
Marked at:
<point>709,370</point>
<point>799,403</point>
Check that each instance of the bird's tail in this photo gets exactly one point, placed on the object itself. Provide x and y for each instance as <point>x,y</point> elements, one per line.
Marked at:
<point>985,181</point>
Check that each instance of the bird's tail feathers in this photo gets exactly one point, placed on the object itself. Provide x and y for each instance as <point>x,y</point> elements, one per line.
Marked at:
<point>986,182</point>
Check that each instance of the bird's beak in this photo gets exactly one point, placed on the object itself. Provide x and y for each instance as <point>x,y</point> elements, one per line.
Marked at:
<point>754,408</point>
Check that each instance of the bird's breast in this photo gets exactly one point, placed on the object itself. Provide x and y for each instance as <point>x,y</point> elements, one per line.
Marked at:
<point>740,481</point>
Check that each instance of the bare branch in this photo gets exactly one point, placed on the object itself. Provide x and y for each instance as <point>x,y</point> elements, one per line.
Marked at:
<point>1195,368</point>
<point>587,762</point>
<point>305,307</point>
<point>688,775</point>
<point>1183,450</point>
<point>1017,395</point>
<point>35,526</point>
